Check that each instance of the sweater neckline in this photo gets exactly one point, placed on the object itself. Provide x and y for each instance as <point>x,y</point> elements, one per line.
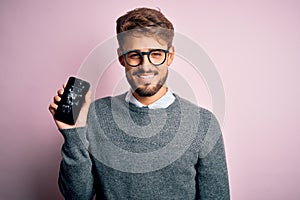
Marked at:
<point>134,108</point>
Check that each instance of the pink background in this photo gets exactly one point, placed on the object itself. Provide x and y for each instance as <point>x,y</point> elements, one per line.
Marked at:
<point>255,46</point>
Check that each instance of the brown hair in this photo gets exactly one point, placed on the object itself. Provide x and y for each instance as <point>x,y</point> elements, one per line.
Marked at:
<point>146,21</point>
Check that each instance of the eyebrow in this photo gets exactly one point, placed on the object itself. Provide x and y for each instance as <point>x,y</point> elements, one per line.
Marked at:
<point>149,49</point>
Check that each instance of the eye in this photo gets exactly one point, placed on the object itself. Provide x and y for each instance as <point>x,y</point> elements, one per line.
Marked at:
<point>157,53</point>
<point>133,55</point>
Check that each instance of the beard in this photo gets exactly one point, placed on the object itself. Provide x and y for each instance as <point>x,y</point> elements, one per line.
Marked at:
<point>147,89</point>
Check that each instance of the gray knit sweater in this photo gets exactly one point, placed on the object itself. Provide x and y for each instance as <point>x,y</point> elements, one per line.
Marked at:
<point>126,152</point>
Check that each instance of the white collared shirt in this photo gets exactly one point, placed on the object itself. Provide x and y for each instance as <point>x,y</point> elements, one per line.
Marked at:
<point>163,102</point>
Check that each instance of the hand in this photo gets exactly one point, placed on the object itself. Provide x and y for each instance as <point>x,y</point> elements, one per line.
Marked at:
<point>81,120</point>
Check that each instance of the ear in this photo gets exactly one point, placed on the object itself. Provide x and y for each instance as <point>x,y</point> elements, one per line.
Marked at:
<point>170,56</point>
<point>120,57</point>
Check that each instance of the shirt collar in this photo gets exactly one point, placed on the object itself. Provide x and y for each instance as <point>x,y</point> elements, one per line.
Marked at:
<point>163,102</point>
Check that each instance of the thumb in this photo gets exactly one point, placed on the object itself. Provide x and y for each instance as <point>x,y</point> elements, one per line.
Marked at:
<point>88,100</point>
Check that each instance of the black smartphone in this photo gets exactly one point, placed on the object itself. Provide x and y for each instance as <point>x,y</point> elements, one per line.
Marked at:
<point>71,101</point>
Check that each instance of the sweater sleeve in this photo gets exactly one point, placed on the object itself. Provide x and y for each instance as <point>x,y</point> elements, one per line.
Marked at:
<point>75,175</point>
<point>212,175</point>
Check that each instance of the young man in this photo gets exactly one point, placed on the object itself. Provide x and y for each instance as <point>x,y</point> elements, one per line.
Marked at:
<point>147,143</point>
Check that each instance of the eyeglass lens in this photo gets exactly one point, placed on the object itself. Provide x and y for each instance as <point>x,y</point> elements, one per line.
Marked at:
<point>156,57</point>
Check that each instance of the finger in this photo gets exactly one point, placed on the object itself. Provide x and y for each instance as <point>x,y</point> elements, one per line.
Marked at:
<point>56,99</point>
<point>64,85</point>
<point>88,97</point>
<point>87,103</point>
<point>60,92</point>
<point>52,108</point>
<point>52,111</point>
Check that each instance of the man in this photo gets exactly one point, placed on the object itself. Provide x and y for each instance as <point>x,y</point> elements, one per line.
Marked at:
<point>165,146</point>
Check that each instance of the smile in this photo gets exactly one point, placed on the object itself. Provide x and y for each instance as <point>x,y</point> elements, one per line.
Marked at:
<point>146,76</point>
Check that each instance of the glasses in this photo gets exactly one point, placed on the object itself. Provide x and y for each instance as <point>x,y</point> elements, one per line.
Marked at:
<point>136,57</point>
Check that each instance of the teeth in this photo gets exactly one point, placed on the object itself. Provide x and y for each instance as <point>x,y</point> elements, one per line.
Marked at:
<point>146,76</point>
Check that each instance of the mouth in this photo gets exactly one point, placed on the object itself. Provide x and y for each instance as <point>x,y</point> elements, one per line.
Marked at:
<point>146,77</point>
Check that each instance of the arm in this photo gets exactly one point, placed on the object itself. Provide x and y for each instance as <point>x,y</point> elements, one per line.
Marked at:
<point>75,176</point>
<point>212,175</point>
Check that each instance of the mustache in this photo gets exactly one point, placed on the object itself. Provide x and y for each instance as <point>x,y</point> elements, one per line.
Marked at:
<point>141,71</point>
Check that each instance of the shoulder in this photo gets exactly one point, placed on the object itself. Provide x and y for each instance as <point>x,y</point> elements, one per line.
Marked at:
<point>106,101</point>
<point>103,106</point>
<point>205,117</point>
<point>188,105</point>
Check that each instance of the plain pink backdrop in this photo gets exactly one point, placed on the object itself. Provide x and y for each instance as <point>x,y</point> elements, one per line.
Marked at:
<point>255,46</point>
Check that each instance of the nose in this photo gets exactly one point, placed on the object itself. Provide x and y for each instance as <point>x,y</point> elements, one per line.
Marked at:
<point>146,64</point>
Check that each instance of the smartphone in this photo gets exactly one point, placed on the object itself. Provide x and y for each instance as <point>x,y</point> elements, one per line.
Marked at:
<point>71,101</point>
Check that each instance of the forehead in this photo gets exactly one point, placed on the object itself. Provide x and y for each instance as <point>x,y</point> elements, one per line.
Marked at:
<point>143,43</point>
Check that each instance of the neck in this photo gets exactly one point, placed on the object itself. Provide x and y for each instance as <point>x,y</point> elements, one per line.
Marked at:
<point>149,100</point>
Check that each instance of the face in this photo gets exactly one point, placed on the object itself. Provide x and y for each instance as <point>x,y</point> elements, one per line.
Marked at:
<point>146,79</point>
